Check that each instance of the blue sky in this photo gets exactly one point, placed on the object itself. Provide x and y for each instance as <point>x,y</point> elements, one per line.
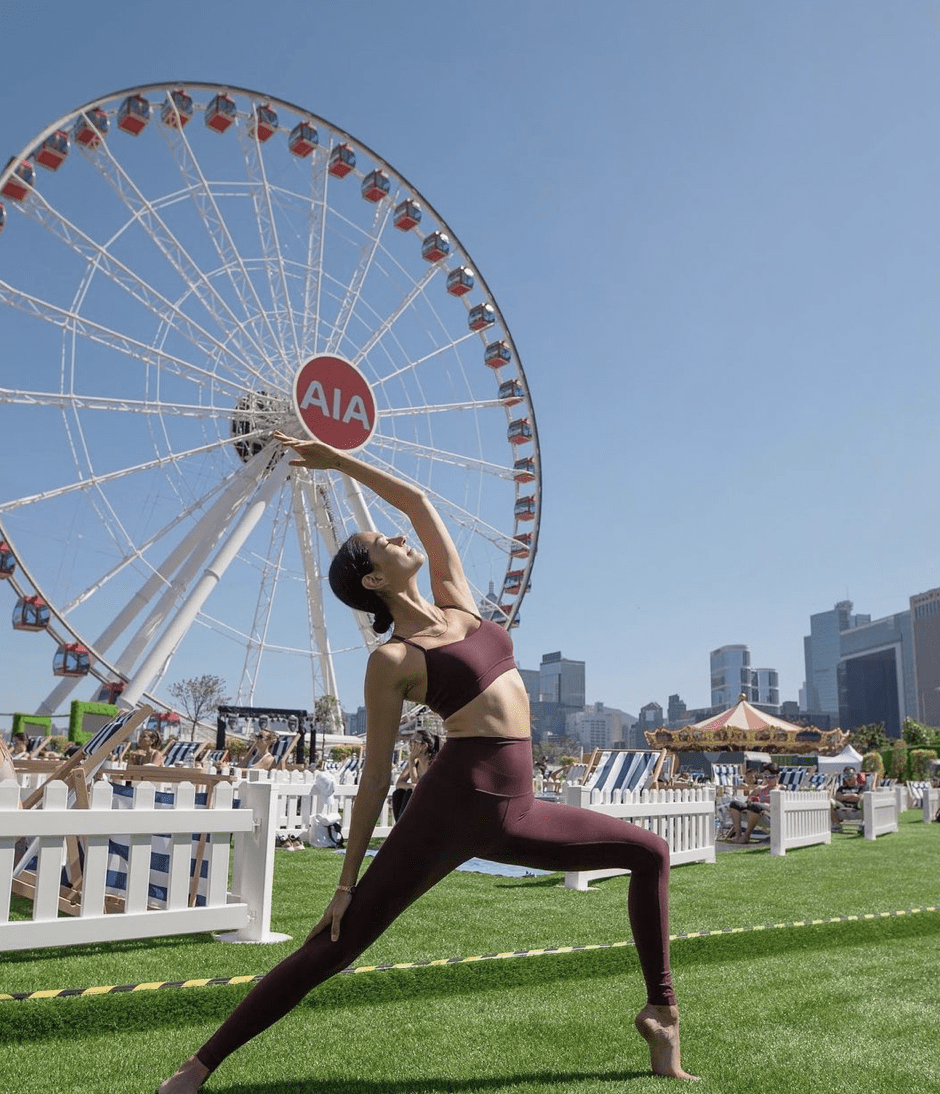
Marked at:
<point>712,228</point>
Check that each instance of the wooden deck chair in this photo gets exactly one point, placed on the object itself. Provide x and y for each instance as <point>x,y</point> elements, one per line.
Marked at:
<point>282,748</point>
<point>623,769</point>
<point>7,768</point>
<point>185,753</point>
<point>78,772</point>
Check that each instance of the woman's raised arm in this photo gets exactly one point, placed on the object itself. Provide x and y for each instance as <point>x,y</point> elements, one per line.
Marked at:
<point>448,581</point>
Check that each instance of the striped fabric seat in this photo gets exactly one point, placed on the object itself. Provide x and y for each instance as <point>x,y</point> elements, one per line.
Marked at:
<point>119,852</point>
<point>184,753</point>
<point>791,778</point>
<point>728,775</point>
<point>624,770</point>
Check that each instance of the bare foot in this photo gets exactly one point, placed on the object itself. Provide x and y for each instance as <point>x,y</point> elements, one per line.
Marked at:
<point>659,1027</point>
<point>187,1080</point>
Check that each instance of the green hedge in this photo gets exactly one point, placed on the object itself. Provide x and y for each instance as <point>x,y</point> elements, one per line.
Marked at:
<point>24,722</point>
<point>77,716</point>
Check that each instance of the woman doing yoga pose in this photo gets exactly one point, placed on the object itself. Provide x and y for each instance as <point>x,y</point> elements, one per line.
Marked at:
<point>475,799</point>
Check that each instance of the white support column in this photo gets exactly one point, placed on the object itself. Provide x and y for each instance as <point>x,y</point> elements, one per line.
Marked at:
<point>164,647</point>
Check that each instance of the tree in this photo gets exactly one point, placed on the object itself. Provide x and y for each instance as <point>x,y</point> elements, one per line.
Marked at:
<point>871,737</point>
<point>328,713</point>
<point>198,695</point>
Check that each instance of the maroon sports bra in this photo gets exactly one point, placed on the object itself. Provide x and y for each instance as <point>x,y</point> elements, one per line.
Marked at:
<point>460,671</point>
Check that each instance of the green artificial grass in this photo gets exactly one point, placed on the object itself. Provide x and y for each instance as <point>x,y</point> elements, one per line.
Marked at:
<point>790,1009</point>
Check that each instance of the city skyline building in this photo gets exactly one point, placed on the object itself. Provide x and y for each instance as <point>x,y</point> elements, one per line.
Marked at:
<point>821,653</point>
<point>599,726</point>
<point>562,681</point>
<point>875,673</point>
<point>925,630</point>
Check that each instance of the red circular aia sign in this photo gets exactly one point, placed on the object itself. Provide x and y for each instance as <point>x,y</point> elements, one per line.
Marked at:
<point>334,402</point>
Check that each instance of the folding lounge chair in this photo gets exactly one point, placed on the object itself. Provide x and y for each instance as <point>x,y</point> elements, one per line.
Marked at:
<point>282,748</point>
<point>78,772</point>
<point>791,778</point>
<point>119,848</point>
<point>184,753</point>
<point>622,769</point>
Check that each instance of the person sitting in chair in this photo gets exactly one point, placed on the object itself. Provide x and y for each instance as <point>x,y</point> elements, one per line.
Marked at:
<point>755,806</point>
<point>848,796</point>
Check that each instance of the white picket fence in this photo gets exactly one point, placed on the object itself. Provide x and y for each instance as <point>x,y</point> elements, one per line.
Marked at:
<point>245,910</point>
<point>880,813</point>
<point>799,818</point>
<point>684,818</point>
<point>931,803</point>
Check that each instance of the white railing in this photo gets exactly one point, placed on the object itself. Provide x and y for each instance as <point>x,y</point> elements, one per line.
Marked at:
<point>684,818</point>
<point>53,832</point>
<point>931,803</point>
<point>799,818</point>
<point>880,813</point>
<point>345,795</point>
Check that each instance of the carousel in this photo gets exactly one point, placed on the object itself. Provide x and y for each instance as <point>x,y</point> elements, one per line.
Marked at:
<point>745,728</point>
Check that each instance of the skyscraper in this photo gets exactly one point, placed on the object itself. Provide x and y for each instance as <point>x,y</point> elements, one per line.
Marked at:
<point>821,653</point>
<point>730,675</point>
<point>925,625</point>
<point>561,681</point>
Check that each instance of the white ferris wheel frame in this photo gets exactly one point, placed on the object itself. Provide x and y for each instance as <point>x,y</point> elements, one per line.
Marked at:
<point>242,315</point>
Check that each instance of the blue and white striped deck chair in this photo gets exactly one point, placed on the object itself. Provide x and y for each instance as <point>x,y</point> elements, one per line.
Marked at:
<point>78,772</point>
<point>87,761</point>
<point>915,793</point>
<point>184,753</point>
<point>624,770</point>
<point>282,748</point>
<point>727,775</point>
<point>119,853</point>
<point>791,778</point>
<point>819,780</point>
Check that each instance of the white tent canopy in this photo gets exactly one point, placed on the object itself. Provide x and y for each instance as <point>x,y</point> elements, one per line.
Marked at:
<point>848,757</point>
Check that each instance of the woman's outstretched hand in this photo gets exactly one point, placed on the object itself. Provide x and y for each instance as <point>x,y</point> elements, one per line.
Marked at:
<point>313,454</point>
<point>335,911</point>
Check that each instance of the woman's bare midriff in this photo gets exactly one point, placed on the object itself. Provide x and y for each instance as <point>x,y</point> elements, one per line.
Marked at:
<point>500,711</point>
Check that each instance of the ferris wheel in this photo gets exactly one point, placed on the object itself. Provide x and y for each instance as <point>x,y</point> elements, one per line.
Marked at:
<point>184,269</point>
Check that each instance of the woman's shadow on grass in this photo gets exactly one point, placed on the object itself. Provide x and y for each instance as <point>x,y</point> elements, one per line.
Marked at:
<point>427,1085</point>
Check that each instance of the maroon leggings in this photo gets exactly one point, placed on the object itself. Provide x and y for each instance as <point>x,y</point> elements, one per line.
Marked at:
<point>475,800</point>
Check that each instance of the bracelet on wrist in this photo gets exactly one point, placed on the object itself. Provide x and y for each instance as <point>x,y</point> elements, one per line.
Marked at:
<point>346,889</point>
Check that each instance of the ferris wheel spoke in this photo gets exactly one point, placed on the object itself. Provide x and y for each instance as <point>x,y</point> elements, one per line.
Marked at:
<point>179,570</point>
<point>85,327</point>
<point>383,211</point>
<point>221,238</point>
<point>470,522</point>
<point>313,274</point>
<point>153,223</point>
<point>73,402</point>
<point>100,258</point>
<point>438,455</point>
<point>96,481</point>
<point>138,552</point>
<point>273,258</point>
<point>259,633</point>
<point>413,365</point>
<point>440,408</point>
<point>392,318</point>
<point>308,506</point>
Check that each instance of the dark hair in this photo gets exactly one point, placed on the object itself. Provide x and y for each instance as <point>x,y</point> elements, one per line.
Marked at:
<point>347,570</point>
<point>772,769</point>
<point>431,740</point>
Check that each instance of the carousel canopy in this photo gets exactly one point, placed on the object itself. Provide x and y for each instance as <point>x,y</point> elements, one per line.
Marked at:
<point>743,727</point>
